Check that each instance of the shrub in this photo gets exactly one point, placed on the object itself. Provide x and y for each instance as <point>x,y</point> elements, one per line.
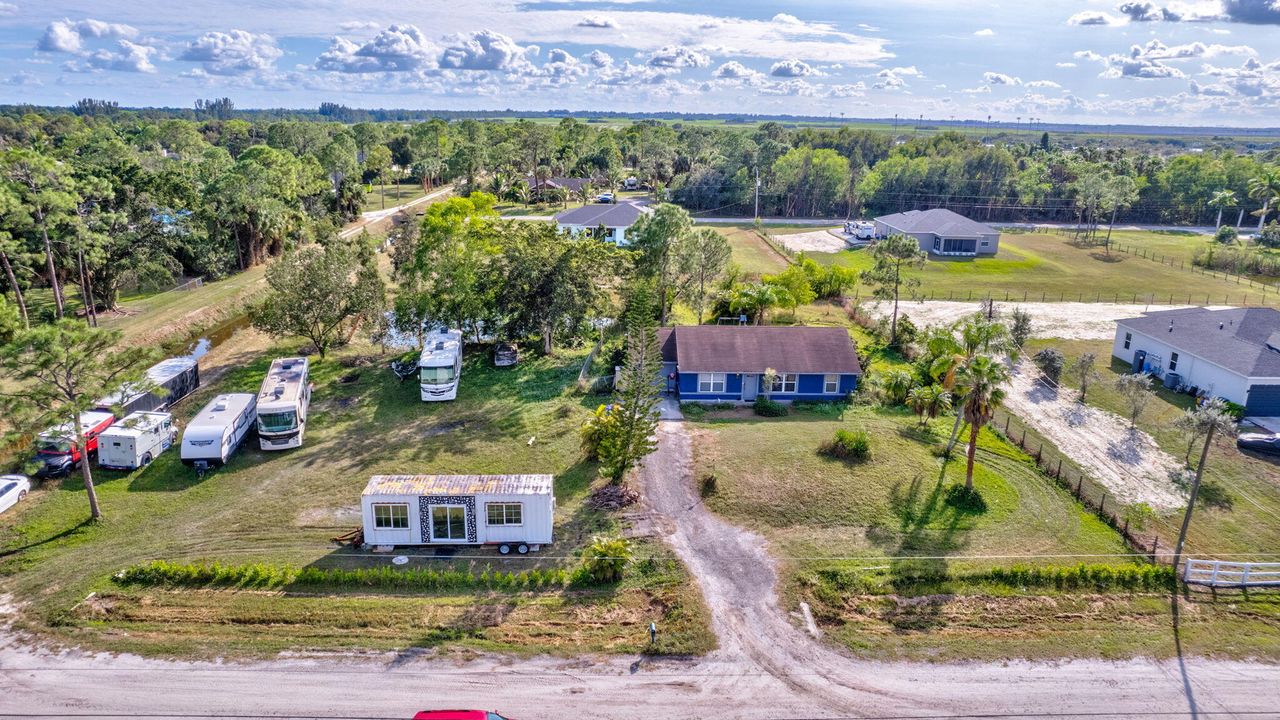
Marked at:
<point>848,445</point>
<point>1138,515</point>
<point>1270,235</point>
<point>764,407</point>
<point>1226,235</point>
<point>1235,410</point>
<point>605,558</point>
<point>1051,362</point>
<point>258,575</point>
<point>693,410</point>
<point>966,500</point>
<point>1020,327</point>
<point>707,485</point>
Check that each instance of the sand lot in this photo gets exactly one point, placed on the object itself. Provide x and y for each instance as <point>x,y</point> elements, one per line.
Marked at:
<point>1065,320</point>
<point>813,241</point>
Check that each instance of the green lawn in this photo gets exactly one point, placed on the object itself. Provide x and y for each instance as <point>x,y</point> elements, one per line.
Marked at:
<point>539,209</point>
<point>396,193</point>
<point>283,507</point>
<point>1047,266</point>
<point>751,252</point>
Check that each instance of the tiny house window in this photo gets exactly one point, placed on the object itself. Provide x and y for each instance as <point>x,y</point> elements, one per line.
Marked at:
<point>1173,361</point>
<point>391,517</point>
<point>830,384</point>
<point>1128,338</point>
<point>785,383</point>
<point>505,513</point>
<point>711,382</point>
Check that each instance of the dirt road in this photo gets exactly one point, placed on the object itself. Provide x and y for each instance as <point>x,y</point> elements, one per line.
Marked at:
<point>765,667</point>
<point>1064,320</point>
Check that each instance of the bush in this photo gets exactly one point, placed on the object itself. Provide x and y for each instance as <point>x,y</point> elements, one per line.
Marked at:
<point>1138,515</point>
<point>605,558</point>
<point>1020,327</point>
<point>1051,362</point>
<point>764,407</point>
<point>708,485</point>
<point>259,575</point>
<point>848,445</point>
<point>1270,235</point>
<point>1235,410</point>
<point>1226,235</point>
<point>966,500</point>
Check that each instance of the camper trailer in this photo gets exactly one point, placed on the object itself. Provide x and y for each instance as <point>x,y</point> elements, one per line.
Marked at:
<point>860,229</point>
<point>440,365</point>
<point>283,402</point>
<point>56,449</point>
<point>217,430</point>
<point>513,512</point>
<point>169,381</point>
<point>135,441</point>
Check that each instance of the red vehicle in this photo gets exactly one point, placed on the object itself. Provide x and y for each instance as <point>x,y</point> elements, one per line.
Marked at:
<point>56,449</point>
<point>458,715</point>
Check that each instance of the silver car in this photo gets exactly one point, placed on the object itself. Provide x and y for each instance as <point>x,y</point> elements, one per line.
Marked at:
<point>12,489</point>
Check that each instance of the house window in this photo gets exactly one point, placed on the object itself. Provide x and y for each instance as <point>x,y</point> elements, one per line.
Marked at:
<point>391,517</point>
<point>1173,361</point>
<point>986,243</point>
<point>505,513</point>
<point>784,383</point>
<point>1128,338</point>
<point>830,384</point>
<point>710,382</point>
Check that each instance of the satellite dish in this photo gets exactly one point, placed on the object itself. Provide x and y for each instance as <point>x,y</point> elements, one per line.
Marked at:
<point>399,560</point>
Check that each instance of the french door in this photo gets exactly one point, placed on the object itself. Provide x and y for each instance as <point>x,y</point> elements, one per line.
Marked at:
<point>448,523</point>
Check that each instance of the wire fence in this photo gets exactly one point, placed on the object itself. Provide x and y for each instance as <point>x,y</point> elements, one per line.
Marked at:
<point>1242,299</point>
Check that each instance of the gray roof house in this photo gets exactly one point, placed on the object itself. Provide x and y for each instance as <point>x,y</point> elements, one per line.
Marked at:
<point>1232,353</point>
<point>615,218</point>
<point>941,232</point>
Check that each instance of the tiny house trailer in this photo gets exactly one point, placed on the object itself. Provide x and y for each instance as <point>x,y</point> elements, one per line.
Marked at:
<point>217,430</point>
<point>135,441</point>
<point>170,380</point>
<point>514,512</point>
<point>440,365</point>
<point>283,401</point>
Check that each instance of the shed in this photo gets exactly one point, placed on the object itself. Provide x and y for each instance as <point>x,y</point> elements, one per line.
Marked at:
<point>510,511</point>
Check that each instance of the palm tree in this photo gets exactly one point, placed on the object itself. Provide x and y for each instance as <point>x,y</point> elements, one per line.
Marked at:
<point>1212,418</point>
<point>755,300</point>
<point>979,382</point>
<point>524,194</point>
<point>929,401</point>
<point>1222,199</point>
<point>1265,187</point>
<point>584,192</point>
<point>953,348</point>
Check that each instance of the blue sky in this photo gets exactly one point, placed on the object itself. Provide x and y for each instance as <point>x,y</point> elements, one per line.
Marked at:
<point>1201,61</point>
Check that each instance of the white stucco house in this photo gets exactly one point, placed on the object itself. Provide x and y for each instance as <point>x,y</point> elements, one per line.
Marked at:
<point>1232,354</point>
<point>941,232</point>
<point>616,219</point>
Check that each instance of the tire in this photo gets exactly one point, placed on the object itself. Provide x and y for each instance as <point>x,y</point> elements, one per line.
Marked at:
<point>146,459</point>
<point>21,494</point>
<point>522,549</point>
<point>504,549</point>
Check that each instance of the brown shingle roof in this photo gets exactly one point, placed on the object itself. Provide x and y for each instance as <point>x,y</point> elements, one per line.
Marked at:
<point>753,349</point>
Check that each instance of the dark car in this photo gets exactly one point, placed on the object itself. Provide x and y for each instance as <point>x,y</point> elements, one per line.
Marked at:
<point>1259,442</point>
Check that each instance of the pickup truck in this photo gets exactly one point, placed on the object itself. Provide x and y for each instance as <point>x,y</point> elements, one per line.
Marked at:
<point>56,450</point>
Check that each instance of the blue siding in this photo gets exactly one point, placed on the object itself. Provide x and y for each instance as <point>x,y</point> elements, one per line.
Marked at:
<point>808,387</point>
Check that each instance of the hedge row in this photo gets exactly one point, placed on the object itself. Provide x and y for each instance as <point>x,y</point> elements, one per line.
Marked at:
<point>1079,577</point>
<point>259,575</point>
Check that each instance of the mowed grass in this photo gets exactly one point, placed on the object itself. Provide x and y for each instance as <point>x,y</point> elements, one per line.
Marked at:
<point>396,193</point>
<point>1251,481</point>
<point>283,507</point>
<point>177,314</point>
<point>751,253</point>
<point>1049,267</point>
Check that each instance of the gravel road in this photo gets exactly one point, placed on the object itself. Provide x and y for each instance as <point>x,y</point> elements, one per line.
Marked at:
<point>766,667</point>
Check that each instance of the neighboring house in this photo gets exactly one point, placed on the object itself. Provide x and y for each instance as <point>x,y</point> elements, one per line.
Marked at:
<point>942,232</point>
<point>615,219</point>
<point>1232,354</point>
<point>728,362</point>
<point>572,185</point>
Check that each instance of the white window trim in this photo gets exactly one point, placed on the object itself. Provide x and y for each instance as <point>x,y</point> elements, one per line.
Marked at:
<point>830,381</point>
<point>782,380</point>
<point>1128,340</point>
<point>504,514</point>
<point>376,526</point>
<point>708,385</point>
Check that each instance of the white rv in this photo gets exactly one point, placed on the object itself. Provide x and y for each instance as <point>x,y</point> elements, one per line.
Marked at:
<point>513,512</point>
<point>860,229</point>
<point>217,430</point>
<point>283,401</point>
<point>440,365</point>
<point>136,440</point>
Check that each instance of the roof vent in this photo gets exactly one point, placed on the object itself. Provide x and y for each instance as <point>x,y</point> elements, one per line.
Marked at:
<point>220,406</point>
<point>277,391</point>
<point>1221,325</point>
<point>440,346</point>
<point>1170,326</point>
<point>444,331</point>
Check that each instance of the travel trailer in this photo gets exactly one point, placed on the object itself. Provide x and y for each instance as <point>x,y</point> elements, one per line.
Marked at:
<point>218,429</point>
<point>170,380</point>
<point>56,448</point>
<point>440,365</point>
<point>136,440</point>
<point>513,512</point>
<point>860,229</point>
<point>283,402</point>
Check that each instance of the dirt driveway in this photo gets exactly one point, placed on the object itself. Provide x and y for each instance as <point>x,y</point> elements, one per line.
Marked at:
<point>1127,462</point>
<point>1065,320</point>
<point>813,241</point>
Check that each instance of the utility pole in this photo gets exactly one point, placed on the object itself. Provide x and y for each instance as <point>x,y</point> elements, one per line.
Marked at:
<point>757,193</point>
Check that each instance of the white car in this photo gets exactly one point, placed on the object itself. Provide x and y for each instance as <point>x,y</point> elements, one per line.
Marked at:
<point>604,197</point>
<point>12,489</point>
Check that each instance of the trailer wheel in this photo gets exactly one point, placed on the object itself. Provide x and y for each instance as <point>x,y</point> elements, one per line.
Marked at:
<point>146,459</point>
<point>522,549</point>
<point>504,549</point>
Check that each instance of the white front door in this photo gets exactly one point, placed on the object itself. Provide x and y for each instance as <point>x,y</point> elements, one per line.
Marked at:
<point>750,386</point>
<point>448,523</point>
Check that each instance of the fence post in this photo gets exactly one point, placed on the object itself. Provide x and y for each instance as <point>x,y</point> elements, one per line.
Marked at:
<point>1079,484</point>
<point>1244,576</point>
<point>1023,442</point>
<point>1006,426</point>
<point>1058,472</point>
<point>1102,506</point>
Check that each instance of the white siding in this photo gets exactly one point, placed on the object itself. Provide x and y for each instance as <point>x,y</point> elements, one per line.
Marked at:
<point>408,536</point>
<point>1213,379</point>
<point>538,518</point>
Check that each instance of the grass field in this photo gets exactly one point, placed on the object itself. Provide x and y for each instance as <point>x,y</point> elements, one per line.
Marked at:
<point>751,252</point>
<point>396,193</point>
<point>283,508</point>
<point>1047,266</point>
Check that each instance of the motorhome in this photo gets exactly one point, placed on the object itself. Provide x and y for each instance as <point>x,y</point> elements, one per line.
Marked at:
<point>440,365</point>
<point>860,229</point>
<point>283,402</point>
<point>136,440</point>
<point>218,429</point>
<point>56,448</point>
<point>168,381</point>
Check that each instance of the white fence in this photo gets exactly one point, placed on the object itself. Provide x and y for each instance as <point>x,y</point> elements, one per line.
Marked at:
<point>1221,573</point>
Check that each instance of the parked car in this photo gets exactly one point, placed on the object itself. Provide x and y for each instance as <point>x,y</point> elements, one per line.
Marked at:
<point>458,715</point>
<point>56,449</point>
<point>606,197</point>
<point>12,489</point>
<point>505,355</point>
<point>1259,442</point>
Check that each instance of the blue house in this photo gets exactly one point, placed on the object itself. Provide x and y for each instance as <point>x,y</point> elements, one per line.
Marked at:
<point>715,363</point>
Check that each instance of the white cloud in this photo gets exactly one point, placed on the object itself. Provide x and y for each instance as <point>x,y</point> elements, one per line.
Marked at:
<point>68,36</point>
<point>1065,64</point>
<point>1042,84</point>
<point>358,25</point>
<point>127,57</point>
<point>848,90</point>
<point>786,19</point>
<point>1150,61</point>
<point>597,21</point>
<point>399,48</point>
<point>1255,12</point>
<point>894,78</point>
<point>985,32</point>
<point>1093,17</point>
<point>981,89</point>
<point>734,70</point>
<point>7,9</point>
<point>793,87</point>
<point>678,56</point>
<point>1259,12</point>
<point>599,58</point>
<point>792,68</point>
<point>485,50</point>
<point>233,53</point>
<point>23,78</point>
<point>1252,79</point>
<point>995,78</point>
